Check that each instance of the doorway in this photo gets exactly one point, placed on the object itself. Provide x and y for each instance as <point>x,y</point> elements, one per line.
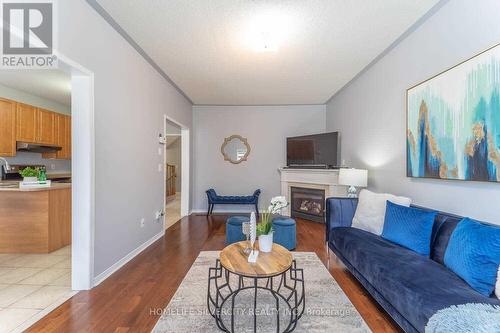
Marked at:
<point>35,236</point>
<point>176,166</point>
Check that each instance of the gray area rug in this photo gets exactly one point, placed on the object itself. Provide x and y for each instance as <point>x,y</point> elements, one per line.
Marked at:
<point>327,307</point>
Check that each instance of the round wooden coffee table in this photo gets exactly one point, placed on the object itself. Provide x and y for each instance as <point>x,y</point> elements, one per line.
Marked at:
<point>274,273</point>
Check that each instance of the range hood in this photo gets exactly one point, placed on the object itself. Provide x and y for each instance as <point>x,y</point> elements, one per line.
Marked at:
<point>36,147</point>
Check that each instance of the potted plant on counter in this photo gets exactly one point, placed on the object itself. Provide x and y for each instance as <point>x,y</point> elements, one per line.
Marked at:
<point>29,174</point>
<point>265,227</point>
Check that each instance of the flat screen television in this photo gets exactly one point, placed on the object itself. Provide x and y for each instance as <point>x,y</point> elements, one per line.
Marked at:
<point>313,151</point>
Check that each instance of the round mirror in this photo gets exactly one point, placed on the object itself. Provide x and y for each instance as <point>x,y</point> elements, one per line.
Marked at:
<point>235,149</point>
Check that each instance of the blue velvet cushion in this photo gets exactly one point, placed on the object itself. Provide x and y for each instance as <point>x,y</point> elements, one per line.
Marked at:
<point>473,253</point>
<point>409,227</point>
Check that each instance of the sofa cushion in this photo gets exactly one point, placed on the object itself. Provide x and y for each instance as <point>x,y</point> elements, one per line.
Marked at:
<point>409,227</point>
<point>473,253</point>
<point>370,212</point>
<point>444,227</point>
<point>415,285</point>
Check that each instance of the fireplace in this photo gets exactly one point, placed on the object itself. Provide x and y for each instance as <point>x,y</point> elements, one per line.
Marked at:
<point>307,203</point>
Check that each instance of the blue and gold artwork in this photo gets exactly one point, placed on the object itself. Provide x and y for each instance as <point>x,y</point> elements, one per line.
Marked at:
<point>453,122</point>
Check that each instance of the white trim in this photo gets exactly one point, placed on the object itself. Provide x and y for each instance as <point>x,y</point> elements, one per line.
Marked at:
<point>83,171</point>
<point>185,177</point>
<point>185,165</point>
<point>120,263</point>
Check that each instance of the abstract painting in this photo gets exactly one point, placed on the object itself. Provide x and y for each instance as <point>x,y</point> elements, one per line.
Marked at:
<point>453,122</point>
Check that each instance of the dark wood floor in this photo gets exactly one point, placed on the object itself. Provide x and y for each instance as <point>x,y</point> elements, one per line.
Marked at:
<point>125,302</point>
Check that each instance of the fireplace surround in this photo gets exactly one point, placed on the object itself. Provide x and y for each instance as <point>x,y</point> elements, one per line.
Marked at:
<point>324,180</point>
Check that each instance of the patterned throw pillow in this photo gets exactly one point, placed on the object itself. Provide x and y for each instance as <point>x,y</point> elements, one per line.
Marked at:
<point>473,253</point>
<point>409,227</point>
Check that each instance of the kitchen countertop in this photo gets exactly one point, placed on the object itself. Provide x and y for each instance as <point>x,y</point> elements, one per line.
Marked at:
<point>53,186</point>
<point>58,175</point>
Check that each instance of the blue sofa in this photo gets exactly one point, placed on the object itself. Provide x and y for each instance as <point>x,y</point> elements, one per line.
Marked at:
<point>410,287</point>
<point>215,199</point>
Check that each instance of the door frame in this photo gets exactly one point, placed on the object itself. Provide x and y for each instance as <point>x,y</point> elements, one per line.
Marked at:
<point>185,173</point>
<point>82,172</point>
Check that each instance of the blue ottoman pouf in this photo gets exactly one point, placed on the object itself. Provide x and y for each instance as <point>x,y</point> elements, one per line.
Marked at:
<point>285,232</point>
<point>234,233</point>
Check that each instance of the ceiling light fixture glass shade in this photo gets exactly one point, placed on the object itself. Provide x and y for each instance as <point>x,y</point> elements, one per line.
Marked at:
<point>266,31</point>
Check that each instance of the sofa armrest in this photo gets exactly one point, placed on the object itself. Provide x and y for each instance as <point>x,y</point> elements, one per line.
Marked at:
<point>339,213</point>
<point>256,193</point>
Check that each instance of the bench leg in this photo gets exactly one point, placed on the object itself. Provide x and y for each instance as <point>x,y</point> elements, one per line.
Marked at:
<point>212,209</point>
<point>257,211</point>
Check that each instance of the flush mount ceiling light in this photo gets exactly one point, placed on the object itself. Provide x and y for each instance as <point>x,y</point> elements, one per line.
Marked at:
<point>267,30</point>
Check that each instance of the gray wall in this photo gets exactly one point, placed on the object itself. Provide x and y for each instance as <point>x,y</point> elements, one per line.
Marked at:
<point>266,128</point>
<point>53,166</point>
<point>370,112</point>
<point>130,101</point>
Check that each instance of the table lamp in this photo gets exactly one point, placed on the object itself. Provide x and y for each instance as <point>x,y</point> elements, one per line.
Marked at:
<point>353,178</point>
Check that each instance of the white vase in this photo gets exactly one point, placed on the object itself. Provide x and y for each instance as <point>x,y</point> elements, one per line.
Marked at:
<point>30,179</point>
<point>266,242</point>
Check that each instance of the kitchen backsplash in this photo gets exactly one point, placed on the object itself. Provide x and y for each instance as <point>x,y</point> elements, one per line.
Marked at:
<point>53,166</point>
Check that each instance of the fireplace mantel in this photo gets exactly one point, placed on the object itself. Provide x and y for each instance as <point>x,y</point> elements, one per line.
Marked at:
<point>326,179</point>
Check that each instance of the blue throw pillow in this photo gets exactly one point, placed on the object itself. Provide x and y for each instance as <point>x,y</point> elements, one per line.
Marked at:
<point>473,253</point>
<point>409,227</point>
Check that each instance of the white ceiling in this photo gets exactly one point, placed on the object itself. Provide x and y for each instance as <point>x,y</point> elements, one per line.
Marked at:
<point>51,84</point>
<point>206,46</point>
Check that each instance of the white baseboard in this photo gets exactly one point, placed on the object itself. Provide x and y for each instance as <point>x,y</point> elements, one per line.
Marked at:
<point>116,266</point>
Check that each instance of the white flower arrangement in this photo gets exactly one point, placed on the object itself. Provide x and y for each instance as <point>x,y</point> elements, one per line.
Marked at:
<point>277,204</point>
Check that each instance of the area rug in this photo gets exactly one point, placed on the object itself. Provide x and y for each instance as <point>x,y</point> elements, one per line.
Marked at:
<point>327,307</point>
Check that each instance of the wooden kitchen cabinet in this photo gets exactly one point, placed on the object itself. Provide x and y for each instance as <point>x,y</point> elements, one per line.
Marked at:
<point>35,125</point>
<point>35,221</point>
<point>46,129</point>
<point>26,123</point>
<point>67,147</point>
<point>7,127</point>
<point>63,138</point>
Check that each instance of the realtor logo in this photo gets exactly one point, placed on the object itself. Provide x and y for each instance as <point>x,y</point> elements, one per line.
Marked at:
<point>28,34</point>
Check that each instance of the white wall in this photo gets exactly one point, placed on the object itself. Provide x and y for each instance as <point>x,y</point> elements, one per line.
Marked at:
<point>370,112</point>
<point>53,166</point>
<point>266,128</point>
<point>130,101</point>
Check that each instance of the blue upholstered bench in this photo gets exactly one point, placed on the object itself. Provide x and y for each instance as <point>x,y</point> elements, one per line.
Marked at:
<point>285,232</point>
<point>234,232</point>
<point>215,199</point>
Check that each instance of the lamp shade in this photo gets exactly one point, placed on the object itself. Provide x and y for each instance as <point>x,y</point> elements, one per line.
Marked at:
<point>353,177</point>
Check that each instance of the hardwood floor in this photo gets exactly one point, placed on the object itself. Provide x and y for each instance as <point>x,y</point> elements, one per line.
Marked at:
<point>126,301</point>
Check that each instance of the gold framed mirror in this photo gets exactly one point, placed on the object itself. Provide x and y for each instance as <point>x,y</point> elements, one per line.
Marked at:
<point>235,149</point>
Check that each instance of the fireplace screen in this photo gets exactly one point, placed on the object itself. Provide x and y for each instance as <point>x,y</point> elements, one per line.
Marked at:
<point>308,203</point>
